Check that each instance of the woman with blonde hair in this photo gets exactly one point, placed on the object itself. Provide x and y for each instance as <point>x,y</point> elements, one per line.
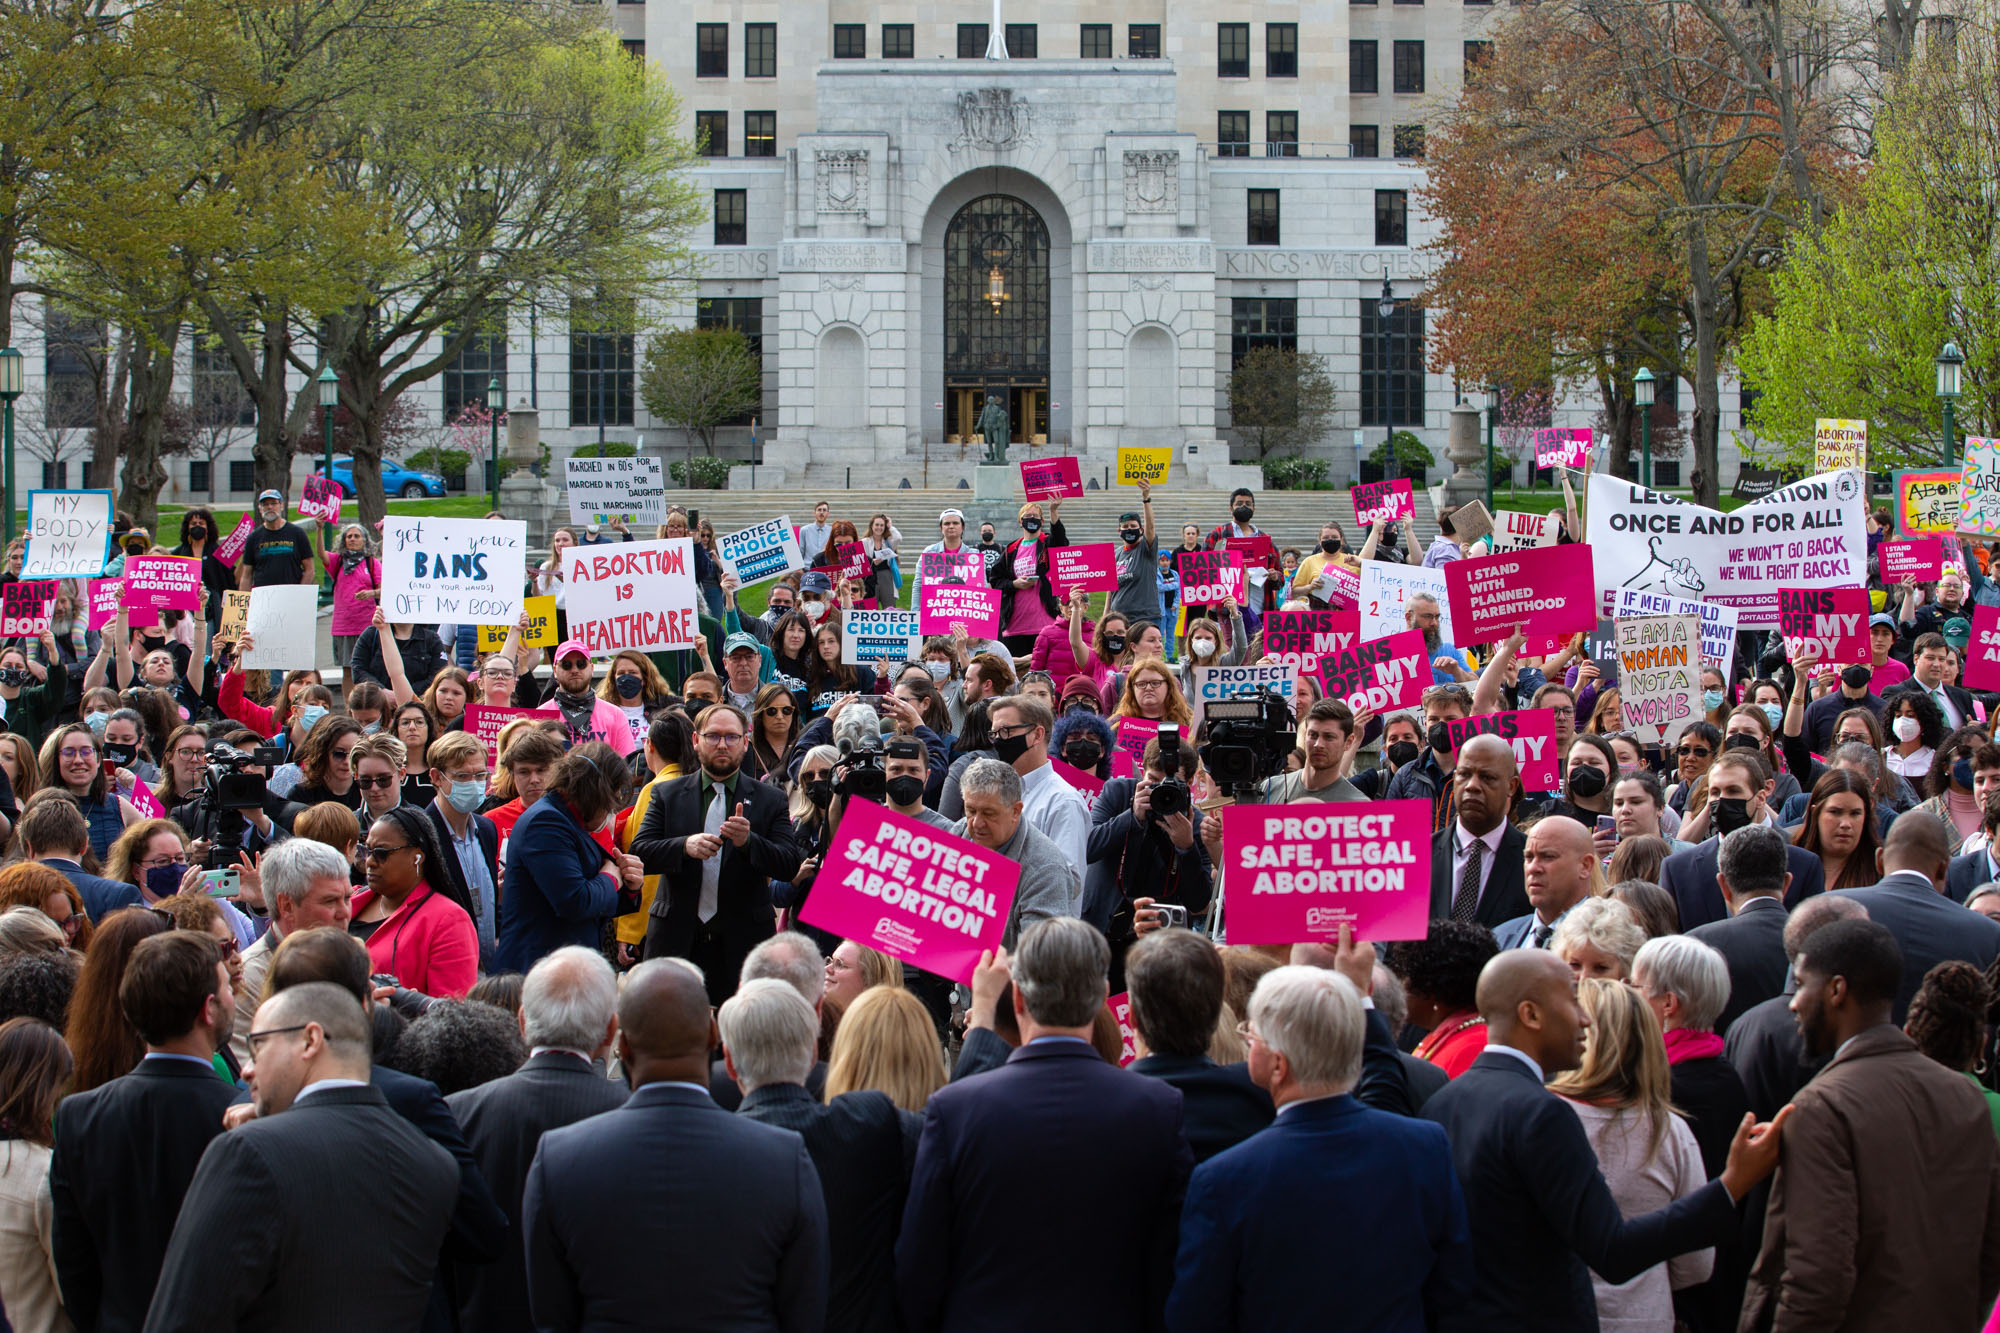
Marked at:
<point>1203,644</point>
<point>1646,1151</point>
<point>1598,938</point>
<point>1607,714</point>
<point>887,1042</point>
<point>853,968</point>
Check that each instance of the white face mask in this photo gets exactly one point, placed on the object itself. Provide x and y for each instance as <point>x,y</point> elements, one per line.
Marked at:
<point>1906,728</point>
<point>814,610</point>
<point>1202,647</point>
<point>938,670</point>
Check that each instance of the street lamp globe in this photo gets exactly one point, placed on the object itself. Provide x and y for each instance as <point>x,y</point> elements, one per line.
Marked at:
<point>1385,305</point>
<point>329,387</point>
<point>12,373</point>
<point>1642,387</point>
<point>1949,362</point>
<point>496,396</point>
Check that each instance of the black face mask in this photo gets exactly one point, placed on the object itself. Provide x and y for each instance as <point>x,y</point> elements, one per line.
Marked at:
<point>1114,644</point>
<point>1010,749</point>
<point>1586,782</point>
<point>1242,513</point>
<point>904,790</point>
<point>1731,813</point>
<point>628,687</point>
<point>1402,752</point>
<point>1082,756</point>
<point>1439,737</point>
<point>1130,536</point>
<point>1330,546</point>
<point>1031,525</point>
<point>121,755</point>
<point>820,792</point>
<point>1855,677</point>
<point>13,676</point>
<point>986,539</point>
<point>1742,740</point>
<point>152,645</point>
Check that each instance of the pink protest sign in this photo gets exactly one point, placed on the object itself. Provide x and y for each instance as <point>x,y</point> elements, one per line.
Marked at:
<point>1301,872</point>
<point>1132,733</point>
<point>1982,650</point>
<point>1087,783</point>
<point>1092,567</point>
<point>486,724</point>
<point>163,582</point>
<point>1562,446</point>
<point>320,498</point>
<point>1380,674</point>
<point>930,898</point>
<point>1832,622</point>
<point>964,565</point>
<point>1547,591</point>
<point>1128,1034</point>
<point>1531,733</point>
<point>1384,502</point>
<point>104,595</point>
<point>948,606</point>
<point>148,804</point>
<point>1052,478</point>
<point>1300,638</point>
<point>24,608</point>
<point>1922,560</point>
<point>1209,578</point>
<point>849,560</point>
<point>231,548</point>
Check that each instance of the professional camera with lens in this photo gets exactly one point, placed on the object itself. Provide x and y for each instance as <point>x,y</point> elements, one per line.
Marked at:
<point>1170,795</point>
<point>861,771</point>
<point>1248,740</point>
<point>227,789</point>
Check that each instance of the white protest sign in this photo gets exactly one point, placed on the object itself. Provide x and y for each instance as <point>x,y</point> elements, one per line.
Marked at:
<point>601,489</point>
<point>869,637</point>
<point>1514,531</point>
<point>1242,682</point>
<point>1811,534</point>
<point>1659,675</point>
<point>767,550</point>
<point>453,571</point>
<point>69,534</point>
<point>632,595</point>
<point>283,623</point>
<point>1386,587</point>
<point>1718,623</point>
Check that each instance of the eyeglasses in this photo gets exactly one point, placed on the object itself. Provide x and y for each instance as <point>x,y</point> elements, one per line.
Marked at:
<point>381,781</point>
<point>1149,684</point>
<point>780,710</point>
<point>723,737</point>
<point>71,752</point>
<point>190,752</point>
<point>1563,712</point>
<point>1247,1033</point>
<point>340,754</point>
<point>228,946</point>
<point>155,862</point>
<point>255,1040</point>
<point>1008,733</point>
<point>478,775</point>
<point>372,852</point>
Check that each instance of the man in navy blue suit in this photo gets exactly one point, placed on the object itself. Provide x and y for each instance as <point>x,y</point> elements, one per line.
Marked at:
<point>54,833</point>
<point>1738,786</point>
<point>1261,1244</point>
<point>1056,1154</point>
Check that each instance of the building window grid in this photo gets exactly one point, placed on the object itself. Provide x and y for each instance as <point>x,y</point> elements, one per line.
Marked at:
<point>1232,50</point>
<point>1364,66</point>
<point>1392,217</point>
<point>1405,378</point>
<point>1364,141</point>
<point>1262,321</point>
<point>478,363</point>
<point>55,476</point>
<point>1409,59</point>
<point>600,377</point>
<point>711,50</point>
<point>1094,42</point>
<point>1262,221</point>
<point>1409,141</point>
<point>70,347</point>
<point>1023,41</point>
<point>1232,134</point>
<point>850,41</point>
<point>711,131</point>
<point>1142,41</point>
<point>1281,134</point>
<point>1281,50</point>
<point>760,50</point>
<point>242,474</point>
<point>899,41</point>
<point>760,134</point>
<point>635,47</point>
<point>972,39</point>
<point>1478,55</point>
<point>745,314</point>
<point>732,217</point>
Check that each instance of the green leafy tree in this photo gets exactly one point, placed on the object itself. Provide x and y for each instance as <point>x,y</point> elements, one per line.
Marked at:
<point>699,379</point>
<point>1280,400</point>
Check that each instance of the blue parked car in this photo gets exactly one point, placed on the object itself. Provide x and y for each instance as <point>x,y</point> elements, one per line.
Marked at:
<point>397,480</point>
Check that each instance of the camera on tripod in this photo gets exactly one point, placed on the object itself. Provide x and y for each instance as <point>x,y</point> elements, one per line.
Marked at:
<point>1170,795</point>
<point>1249,740</point>
<point>862,771</point>
<point>228,788</point>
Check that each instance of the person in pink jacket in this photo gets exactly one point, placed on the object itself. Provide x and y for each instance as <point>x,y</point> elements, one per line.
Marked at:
<point>409,916</point>
<point>586,716</point>
<point>357,588</point>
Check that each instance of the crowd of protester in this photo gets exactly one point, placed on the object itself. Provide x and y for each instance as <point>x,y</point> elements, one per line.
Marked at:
<point>420,1035</point>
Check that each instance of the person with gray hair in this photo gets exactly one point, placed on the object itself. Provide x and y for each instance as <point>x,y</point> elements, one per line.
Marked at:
<point>1258,1243</point>
<point>793,958</point>
<point>1753,871</point>
<point>1050,885</point>
<point>1687,983</point>
<point>305,884</point>
<point>568,1019</point>
<point>1056,1143</point>
<point>768,1034</point>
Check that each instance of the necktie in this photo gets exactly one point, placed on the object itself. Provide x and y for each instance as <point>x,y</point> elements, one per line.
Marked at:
<point>1542,934</point>
<point>1465,903</point>
<point>711,869</point>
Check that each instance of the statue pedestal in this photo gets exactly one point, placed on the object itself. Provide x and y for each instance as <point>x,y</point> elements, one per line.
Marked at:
<point>524,496</point>
<point>995,481</point>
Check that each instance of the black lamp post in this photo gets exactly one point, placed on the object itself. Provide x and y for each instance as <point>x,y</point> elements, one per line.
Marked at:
<point>1642,398</point>
<point>496,398</point>
<point>1949,362</point>
<point>1385,307</point>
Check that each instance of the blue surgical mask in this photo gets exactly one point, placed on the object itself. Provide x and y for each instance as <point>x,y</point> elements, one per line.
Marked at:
<point>1713,699</point>
<point>1961,772</point>
<point>370,728</point>
<point>1775,713</point>
<point>165,881</point>
<point>466,797</point>
<point>938,670</point>
<point>97,722</point>
<point>310,715</point>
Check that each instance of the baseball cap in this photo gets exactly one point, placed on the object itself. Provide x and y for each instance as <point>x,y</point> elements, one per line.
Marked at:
<point>1129,516</point>
<point>262,496</point>
<point>1957,632</point>
<point>568,646</point>
<point>815,581</point>
<point>1887,622</point>
<point>738,642</point>
<point>951,513</point>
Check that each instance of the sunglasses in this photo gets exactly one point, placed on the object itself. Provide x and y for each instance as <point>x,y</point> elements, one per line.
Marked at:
<point>780,710</point>
<point>379,780</point>
<point>370,852</point>
<point>1694,752</point>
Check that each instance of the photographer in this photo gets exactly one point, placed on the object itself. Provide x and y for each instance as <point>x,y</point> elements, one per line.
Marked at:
<point>901,712</point>
<point>1145,848</point>
<point>206,816</point>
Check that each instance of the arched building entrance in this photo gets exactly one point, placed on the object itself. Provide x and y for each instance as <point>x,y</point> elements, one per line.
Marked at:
<point>996,316</point>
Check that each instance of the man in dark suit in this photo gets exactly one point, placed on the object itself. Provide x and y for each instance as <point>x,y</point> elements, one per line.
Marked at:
<point>1542,1217</point>
<point>726,1230</point>
<point>1056,1144</point>
<point>54,832</point>
<point>469,840</point>
<point>265,1238</point>
<point>1763,1044</point>
<point>860,1144</point>
<point>794,959</point>
<point>1969,871</point>
<point>717,838</point>
<point>1476,863</point>
<point>1752,872</point>
<point>1929,927</point>
<point>1930,661</point>
<point>1260,1246</point>
<point>568,1021</point>
<point>1739,781</point>
<point>125,1151</point>
<point>1560,866</point>
<point>1175,981</point>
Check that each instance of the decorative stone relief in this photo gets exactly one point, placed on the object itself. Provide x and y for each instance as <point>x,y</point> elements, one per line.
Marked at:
<point>993,118</point>
<point>840,180</point>
<point>842,282</point>
<point>1156,282</point>
<point>1153,181</point>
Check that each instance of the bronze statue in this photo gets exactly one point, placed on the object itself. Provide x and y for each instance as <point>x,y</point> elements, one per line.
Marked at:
<point>993,426</point>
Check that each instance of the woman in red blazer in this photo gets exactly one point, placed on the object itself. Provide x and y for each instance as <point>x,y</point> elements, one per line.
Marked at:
<point>416,932</point>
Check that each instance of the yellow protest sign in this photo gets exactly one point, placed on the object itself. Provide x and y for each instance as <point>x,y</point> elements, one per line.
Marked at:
<point>1150,465</point>
<point>235,606</point>
<point>541,622</point>
<point>1839,442</point>
<point>492,638</point>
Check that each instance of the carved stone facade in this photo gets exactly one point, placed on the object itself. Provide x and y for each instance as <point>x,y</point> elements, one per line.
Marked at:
<point>1152,181</point>
<point>840,181</point>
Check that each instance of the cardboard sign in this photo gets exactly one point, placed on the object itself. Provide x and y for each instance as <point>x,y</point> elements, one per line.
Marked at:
<point>1982,650</point>
<point>1833,621</point>
<point>965,565</point>
<point>1301,872</point>
<point>1092,567</point>
<point>1052,478</point>
<point>164,582</point>
<point>492,638</point>
<point>630,490</point>
<point>1531,732</point>
<point>1515,531</point>
<point>632,595</point>
<point>1384,502</point>
<point>1839,443</point>
<point>949,607</point>
<point>69,534</point>
<point>453,571</point>
<point>1979,487</point>
<point>1546,591</point>
<point>104,595</point>
<point>1299,639</point>
<point>764,551</point>
<point>320,498</point>
<point>1811,534</point>
<point>24,608</point>
<point>1385,590</point>
<point>1131,734</point>
<point>1718,623</point>
<point>486,724</point>
<point>913,892</point>
<point>1212,684</point>
<point>1120,1006</point>
<point>1470,522</point>
<point>1381,675</point>
<point>868,638</point>
<point>1563,446</point>
<point>235,610</point>
<point>230,549</point>
<point>1210,578</point>
<point>1926,501</point>
<point>1137,464</point>
<point>1659,675</point>
<point>283,620</point>
<point>1921,559</point>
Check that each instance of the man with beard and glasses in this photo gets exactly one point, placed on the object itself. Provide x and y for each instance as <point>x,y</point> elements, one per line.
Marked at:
<point>1448,663</point>
<point>1881,1144</point>
<point>585,717</point>
<point>1738,787</point>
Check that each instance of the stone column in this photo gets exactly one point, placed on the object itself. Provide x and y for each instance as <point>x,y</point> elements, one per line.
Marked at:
<point>523,495</point>
<point>1466,450</point>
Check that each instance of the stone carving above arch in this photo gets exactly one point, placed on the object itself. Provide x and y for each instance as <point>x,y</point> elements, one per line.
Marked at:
<point>1152,181</point>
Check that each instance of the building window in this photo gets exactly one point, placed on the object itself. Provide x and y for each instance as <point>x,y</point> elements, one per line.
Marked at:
<point>711,50</point>
<point>760,134</point>
<point>1746,401</point>
<point>1392,217</point>
<point>1142,41</point>
<point>850,41</point>
<point>479,362</point>
<point>1281,50</point>
<point>1478,55</point>
<point>600,363</point>
<point>1405,376</point>
<point>732,220</point>
<point>1022,42</point>
<point>73,349</point>
<point>1363,141</point>
<point>1409,141</point>
<point>1263,321</point>
<point>216,394</point>
<point>1232,50</point>
<point>760,50</point>
<point>746,316</point>
<point>634,47</point>
<point>1096,41</point>
<point>1364,67</point>
<point>197,474</point>
<point>242,474</point>
<point>1232,134</point>
<point>1281,134</point>
<point>1409,67</point>
<point>899,41</point>
<point>55,476</point>
<point>972,41</point>
<point>711,131</point>
<point>1263,217</point>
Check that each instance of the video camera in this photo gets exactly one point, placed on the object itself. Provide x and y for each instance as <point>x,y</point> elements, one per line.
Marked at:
<point>229,788</point>
<point>1170,795</point>
<point>1248,740</point>
<point>862,773</point>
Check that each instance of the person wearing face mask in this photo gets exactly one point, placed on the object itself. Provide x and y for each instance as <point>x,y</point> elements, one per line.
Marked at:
<point>1083,741</point>
<point>633,686</point>
<point>1814,721</point>
<point>989,548</point>
<point>1206,646</point>
<point>1428,776</point>
<point>815,808</point>
<point>198,539</point>
<point>1262,573</point>
<point>1141,856</point>
<point>71,760</point>
<point>1738,787</point>
<point>31,694</point>
<point>1915,729</point>
<point>1020,730</point>
<point>1589,767</point>
<point>1137,596</point>
<point>1401,742</point>
<point>1027,598</point>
